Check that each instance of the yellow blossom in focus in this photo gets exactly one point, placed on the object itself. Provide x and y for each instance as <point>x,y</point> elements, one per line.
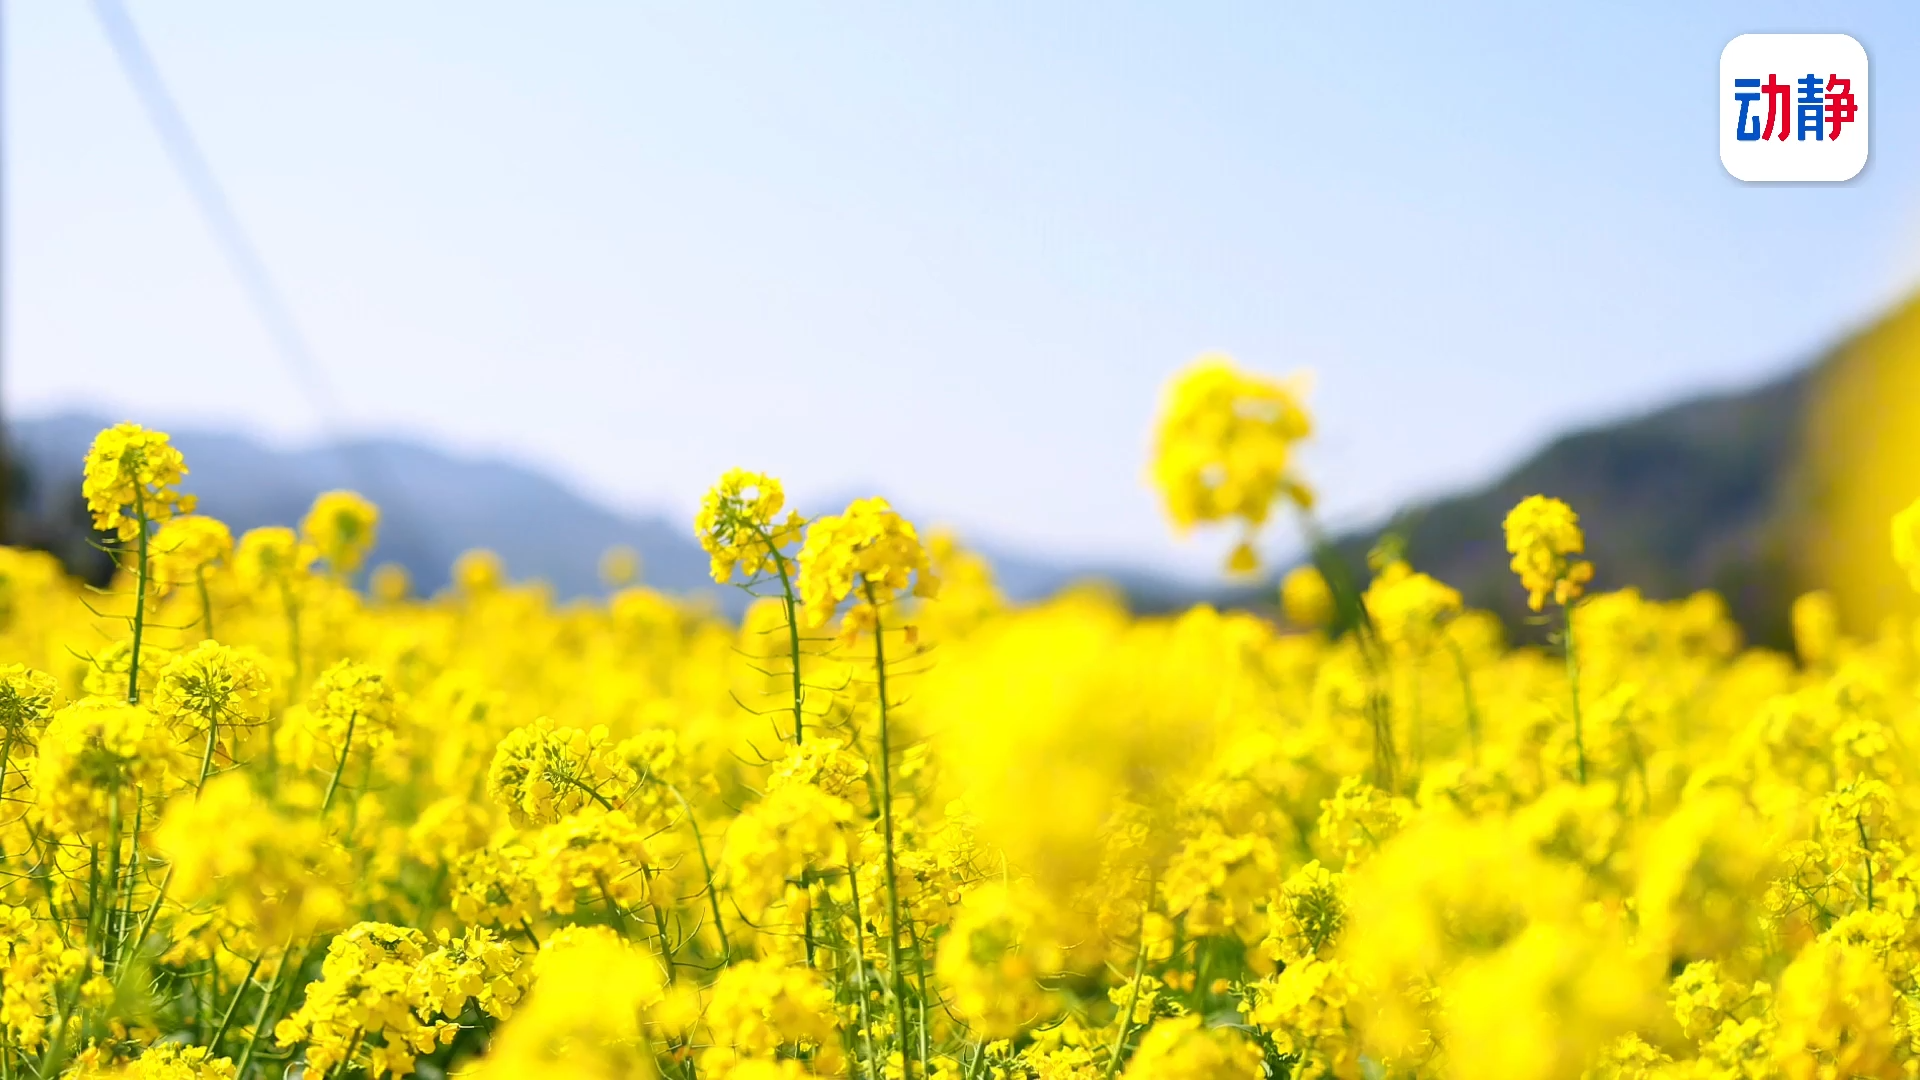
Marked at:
<point>27,699</point>
<point>130,468</point>
<point>740,526</point>
<point>169,1061</point>
<point>1307,916</point>
<point>1303,1010</point>
<point>541,774</point>
<point>387,995</point>
<point>869,554</point>
<point>210,688</point>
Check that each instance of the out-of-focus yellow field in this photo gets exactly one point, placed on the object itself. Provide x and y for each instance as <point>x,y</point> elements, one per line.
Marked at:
<point>260,823</point>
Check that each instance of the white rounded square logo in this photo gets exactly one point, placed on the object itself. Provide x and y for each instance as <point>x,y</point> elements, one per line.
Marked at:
<point>1793,107</point>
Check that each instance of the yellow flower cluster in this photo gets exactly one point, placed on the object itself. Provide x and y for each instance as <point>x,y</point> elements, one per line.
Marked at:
<point>281,875</point>
<point>740,527</point>
<point>1224,449</point>
<point>342,527</point>
<point>1543,535</point>
<point>386,996</point>
<point>258,824</point>
<point>186,547</point>
<point>868,553</point>
<point>132,479</point>
<point>91,755</point>
<point>542,774</point>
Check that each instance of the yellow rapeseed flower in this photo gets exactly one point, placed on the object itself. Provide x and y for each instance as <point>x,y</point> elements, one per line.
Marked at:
<point>280,875</point>
<point>1305,598</point>
<point>740,526</point>
<point>869,555</point>
<point>343,527</point>
<point>1543,536</point>
<point>186,547</point>
<point>1224,446</point>
<point>1187,1049</point>
<point>133,477</point>
<point>93,754</point>
<point>272,557</point>
<point>390,583</point>
<point>478,573</point>
<point>619,566</point>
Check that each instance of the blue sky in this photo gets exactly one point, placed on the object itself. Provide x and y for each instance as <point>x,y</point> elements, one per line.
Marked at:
<point>948,252</point>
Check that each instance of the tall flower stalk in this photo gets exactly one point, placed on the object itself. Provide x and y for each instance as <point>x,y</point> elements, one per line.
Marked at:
<point>895,970</point>
<point>131,483</point>
<point>1545,540</point>
<point>863,560</point>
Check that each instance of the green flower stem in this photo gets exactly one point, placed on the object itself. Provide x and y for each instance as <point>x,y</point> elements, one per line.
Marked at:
<point>895,975</point>
<point>713,895</point>
<point>346,1059</point>
<point>1866,849</point>
<point>799,692</point>
<point>266,1002</point>
<point>206,756</point>
<point>666,941</point>
<point>1573,686</point>
<point>124,920</point>
<point>93,891</point>
<point>293,627</point>
<point>346,747</point>
<point>1351,612</point>
<point>1466,692</point>
<point>1133,995</point>
<point>860,965</point>
<point>206,600</point>
<point>140,595</point>
<point>226,1018</point>
<point>793,636</point>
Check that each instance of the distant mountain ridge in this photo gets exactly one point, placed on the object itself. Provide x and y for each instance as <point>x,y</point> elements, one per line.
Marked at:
<point>436,505</point>
<point>1757,494</point>
<point>1713,492</point>
<point>1695,495</point>
<point>433,505</point>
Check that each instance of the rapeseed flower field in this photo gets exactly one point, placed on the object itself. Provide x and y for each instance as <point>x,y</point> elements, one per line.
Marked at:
<point>257,822</point>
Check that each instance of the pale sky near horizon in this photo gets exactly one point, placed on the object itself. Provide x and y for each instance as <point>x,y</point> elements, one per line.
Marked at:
<point>946,252</point>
